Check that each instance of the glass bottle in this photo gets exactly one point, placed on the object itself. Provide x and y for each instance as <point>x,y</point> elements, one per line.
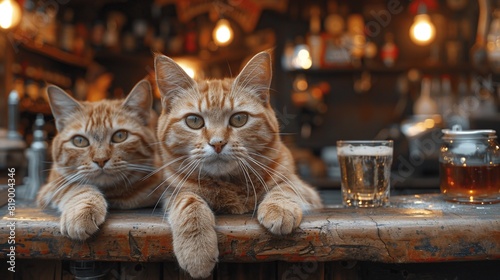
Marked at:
<point>389,52</point>
<point>67,36</point>
<point>469,166</point>
<point>314,40</point>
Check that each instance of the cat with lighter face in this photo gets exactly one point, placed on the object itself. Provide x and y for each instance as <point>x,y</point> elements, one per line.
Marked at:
<point>221,152</point>
<point>102,156</point>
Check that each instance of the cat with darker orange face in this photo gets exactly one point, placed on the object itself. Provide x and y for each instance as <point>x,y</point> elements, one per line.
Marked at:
<point>102,155</point>
<point>221,152</point>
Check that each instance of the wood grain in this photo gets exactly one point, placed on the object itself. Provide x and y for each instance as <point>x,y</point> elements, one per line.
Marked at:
<point>413,229</point>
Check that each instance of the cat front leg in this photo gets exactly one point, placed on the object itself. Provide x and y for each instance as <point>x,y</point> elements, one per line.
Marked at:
<point>83,210</point>
<point>193,232</point>
<point>280,211</point>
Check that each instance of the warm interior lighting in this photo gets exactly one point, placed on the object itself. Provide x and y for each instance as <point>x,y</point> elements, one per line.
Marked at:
<point>10,14</point>
<point>188,67</point>
<point>422,31</point>
<point>302,57</point>
<point>223,33</point>
<point>493,42</point>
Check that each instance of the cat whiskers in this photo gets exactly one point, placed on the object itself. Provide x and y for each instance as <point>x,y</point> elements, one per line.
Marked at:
<point>64,169</point>
<point>260,147</point>
<point>248,178</point>
<point>244,172</point>
<point>278,174</point>
<point>199,175</point>
<point>164,181</point>
<point>143,168</point>
<point>125,179</point>
<point>185,158</point>
<point>256,173</point>
<point>161,168</point>
<point>190,168</point>
<point>62,183</point>
<point>265,170</point>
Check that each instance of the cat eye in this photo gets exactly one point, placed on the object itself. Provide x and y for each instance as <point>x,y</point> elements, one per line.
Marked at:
<point>119,136</point>
<point>80,141</point>
<point>238,119</point>
<point>195,121</point>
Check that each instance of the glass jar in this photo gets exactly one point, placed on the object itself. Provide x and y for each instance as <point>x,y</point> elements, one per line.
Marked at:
<point>469,166</point>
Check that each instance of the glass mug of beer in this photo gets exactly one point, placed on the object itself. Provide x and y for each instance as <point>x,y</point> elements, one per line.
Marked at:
<point>469,166</point>
<point>365,169</point>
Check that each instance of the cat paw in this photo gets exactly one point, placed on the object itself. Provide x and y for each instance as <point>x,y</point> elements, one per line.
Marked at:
<point>83,220</point>
<point>198,258</point>
<point>279,219</point>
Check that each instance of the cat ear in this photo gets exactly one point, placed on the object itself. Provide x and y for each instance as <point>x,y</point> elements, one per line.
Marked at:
<point>172,80</point>
<point>140,100</point>
<point>256,76</point>
<point>62,105</point>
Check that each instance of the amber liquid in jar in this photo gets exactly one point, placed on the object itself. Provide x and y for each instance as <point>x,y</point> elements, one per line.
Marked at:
<point>471,184</point>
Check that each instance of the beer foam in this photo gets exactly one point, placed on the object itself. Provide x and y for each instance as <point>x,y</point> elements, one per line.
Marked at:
<point>364,151</point>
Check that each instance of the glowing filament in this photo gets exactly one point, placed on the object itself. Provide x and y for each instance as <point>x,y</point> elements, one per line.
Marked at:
<point>422,31</point>
<point>223,33</point>
<point>10,14</point>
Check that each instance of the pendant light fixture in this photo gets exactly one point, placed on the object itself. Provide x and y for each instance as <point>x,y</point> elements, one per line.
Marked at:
<point>10,14</point>
<point>422,31</point>
<point>223,33</point>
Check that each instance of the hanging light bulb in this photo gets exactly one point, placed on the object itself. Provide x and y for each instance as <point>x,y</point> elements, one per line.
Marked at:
<point>422,31</point>
<point>223,33</point>
<point>10,14</point>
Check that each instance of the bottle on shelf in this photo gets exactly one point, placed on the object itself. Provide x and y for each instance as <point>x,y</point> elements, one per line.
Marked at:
<point>80,46</point>
<point>370,52</point>
<point>111,36</point>
<point>389,52</point>
<point>13,103</point>
<point>336,52</point>
<point>97,35</point>
<point>436,90</point>
<point>67,35</point>
<point>47,24</point>
<point>314,39</point>
<point>445,99</point>
<point>334,22</point>
<point>140,29</point>
<point>36,154</point>
<point>492,46</point>
<point>287,57</point>
<point>27,27</point>
<point>453,45</point>
<point>458,115</point>
<point>425,105</point>
<point>356,37</point>
<point>129,44</point>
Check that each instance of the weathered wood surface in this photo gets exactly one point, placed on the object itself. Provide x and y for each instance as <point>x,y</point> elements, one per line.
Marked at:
<point>413,229</point>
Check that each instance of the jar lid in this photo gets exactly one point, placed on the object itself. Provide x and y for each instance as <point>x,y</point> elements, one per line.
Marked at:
<point>450,134</point>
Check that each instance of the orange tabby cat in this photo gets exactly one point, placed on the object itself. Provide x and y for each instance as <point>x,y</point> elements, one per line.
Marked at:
<point>220,142</point>
<point>101,154</point>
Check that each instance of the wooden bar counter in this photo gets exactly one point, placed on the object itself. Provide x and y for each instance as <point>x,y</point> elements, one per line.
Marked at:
<point>413,229</point>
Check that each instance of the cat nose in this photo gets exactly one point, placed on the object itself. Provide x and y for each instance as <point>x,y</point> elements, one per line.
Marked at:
<point>101,161</point>
<point>218,145</point>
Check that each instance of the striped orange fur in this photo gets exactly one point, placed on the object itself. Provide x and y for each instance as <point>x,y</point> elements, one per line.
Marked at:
<point>102,155</point>
<point>221,152</point>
